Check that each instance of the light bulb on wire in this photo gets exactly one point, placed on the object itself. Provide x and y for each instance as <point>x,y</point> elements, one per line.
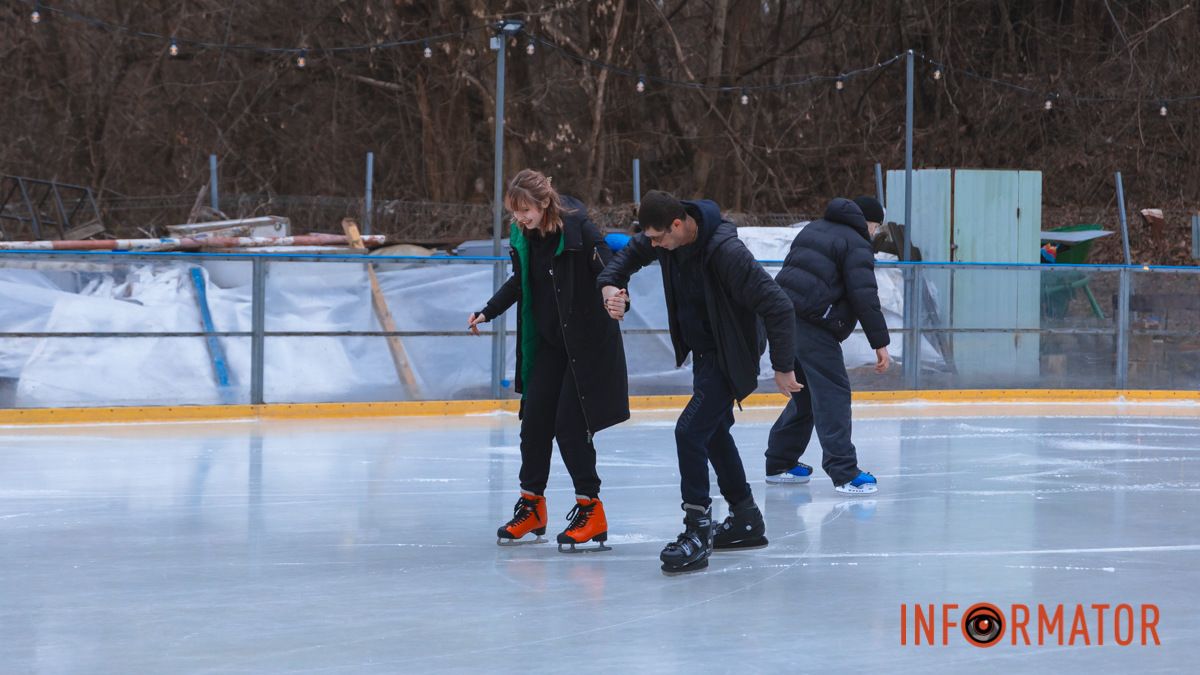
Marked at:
<point>35,16</point>
<point>428,50</point>
<point>529,48</point>
<point>302,59</point>
<point>641,85</point>
<point>1162,109</point>
<point>1049,104</point>
<point>840,84</point>
<point>173,50</point>
<point>745,98</point>
<point>937,73</point>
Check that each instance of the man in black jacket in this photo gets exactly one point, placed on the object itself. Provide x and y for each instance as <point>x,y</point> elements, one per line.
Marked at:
<point>716,295</point>
<point>829,274</point>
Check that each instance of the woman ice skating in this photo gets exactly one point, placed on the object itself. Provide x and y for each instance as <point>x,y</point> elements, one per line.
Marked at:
<point>570,359</point>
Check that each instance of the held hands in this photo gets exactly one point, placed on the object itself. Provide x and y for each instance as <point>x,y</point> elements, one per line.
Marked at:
<point>882,360</point>
<point>787,383</point>
<point>615,300</point>
<point>473,322</point>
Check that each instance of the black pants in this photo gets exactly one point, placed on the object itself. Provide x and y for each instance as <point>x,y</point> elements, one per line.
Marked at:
<point>702,436</point>
<point>552,410</point>
<point>824,403</point>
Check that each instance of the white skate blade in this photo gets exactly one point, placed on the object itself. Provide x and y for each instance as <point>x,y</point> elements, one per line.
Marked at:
<point>787,479</point>
<point>575,548</point>
<point>865,489</point>
<point>538,539</point>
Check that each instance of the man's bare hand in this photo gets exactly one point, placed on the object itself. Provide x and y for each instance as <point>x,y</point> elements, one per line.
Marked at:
<point>883,360</point>
<point>615,300</point>
<point>787,383</point>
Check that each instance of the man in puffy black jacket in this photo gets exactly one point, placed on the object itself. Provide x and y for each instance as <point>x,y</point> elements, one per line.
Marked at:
<point>716,296</point>
<point>829,275</point>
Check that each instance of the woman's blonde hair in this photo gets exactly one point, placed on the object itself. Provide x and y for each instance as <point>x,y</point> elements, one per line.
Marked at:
<point>533,188</point>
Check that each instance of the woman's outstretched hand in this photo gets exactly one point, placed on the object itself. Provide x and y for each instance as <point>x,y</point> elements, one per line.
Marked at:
<point>473,322</point>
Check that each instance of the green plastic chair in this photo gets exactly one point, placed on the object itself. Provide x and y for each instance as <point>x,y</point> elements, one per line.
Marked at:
<point>1059,289</point>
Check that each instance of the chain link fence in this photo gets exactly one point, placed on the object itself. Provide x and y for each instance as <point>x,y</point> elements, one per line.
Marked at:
<point>431,224</point>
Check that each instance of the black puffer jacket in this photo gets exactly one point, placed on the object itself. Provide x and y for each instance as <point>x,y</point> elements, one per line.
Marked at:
<point>739,296</point>
<point>829,274</point>
<point>591,337</point>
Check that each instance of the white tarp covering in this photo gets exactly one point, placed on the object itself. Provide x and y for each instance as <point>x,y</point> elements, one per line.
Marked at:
<point>53,297</point>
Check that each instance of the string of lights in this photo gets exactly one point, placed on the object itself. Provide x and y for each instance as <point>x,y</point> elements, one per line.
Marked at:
<point>1050,98</point>
<point>643,79</point>
<point>176,45</point>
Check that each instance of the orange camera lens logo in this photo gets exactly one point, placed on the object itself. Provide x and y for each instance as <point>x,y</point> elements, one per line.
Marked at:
<point>982,624</point>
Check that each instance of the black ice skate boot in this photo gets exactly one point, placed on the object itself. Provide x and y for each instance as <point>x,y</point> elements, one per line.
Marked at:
<point>743,528</point>
<point>690,550</point>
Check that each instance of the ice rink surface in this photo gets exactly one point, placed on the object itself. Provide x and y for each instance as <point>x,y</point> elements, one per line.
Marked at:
<point>369,546</point>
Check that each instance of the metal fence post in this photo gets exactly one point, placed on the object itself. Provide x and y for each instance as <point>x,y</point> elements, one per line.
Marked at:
<point>1124,223</point>
<point>212,183</point>
<point>1123,293</point>
<point>1196,236</point>
<point>369,206</point>
<point>637,181</point>
<point>258,314</point>
<point>910,354</point>
<point>500,44</point>
<point>911,347</point>
<point>917,312</point>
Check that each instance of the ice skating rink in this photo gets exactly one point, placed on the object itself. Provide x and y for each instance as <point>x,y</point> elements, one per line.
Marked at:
<point>369,546</point>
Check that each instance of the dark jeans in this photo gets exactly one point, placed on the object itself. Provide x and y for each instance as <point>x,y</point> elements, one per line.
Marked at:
<point>824,403</point>
<point>552,411</point>
<point>702,436</point>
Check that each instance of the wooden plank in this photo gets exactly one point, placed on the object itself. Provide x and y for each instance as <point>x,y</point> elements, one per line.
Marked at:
<point>84,231</point>
<point>379,302</point>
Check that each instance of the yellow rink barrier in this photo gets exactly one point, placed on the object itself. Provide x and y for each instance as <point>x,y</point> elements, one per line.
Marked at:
<point>284,411</point>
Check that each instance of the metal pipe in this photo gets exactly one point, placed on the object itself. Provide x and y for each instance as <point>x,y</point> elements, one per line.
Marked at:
<point>34,221</point>
<point>908,158</point>
<point>917,313</point>
<point>637,181</point>
<point>368,207</point>
<point>879,184</point>
<point>188,243</point>
<point>212,183</point>
<point>1123,293</point>
<point>500,44</point>
<point>1121,213</point>
<point>1196,236</point>
<point>258,321</point>
<point>910,355</point>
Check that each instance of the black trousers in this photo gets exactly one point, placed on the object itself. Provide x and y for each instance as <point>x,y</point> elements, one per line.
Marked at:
<point>702,436</point>
<point>552,411</point>
<point>824,403</point>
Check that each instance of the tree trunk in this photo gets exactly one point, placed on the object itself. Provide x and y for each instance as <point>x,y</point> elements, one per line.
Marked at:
<point>596,150</point>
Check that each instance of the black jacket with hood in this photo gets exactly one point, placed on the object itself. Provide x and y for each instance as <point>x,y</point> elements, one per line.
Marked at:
<point>829,274</point>
<point>739,296</point>
<point>591,337</point>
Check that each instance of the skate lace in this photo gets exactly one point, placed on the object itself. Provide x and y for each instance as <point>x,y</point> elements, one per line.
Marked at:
<point>578,517</point>
<point>687,542</point>
<point>523,509</point>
